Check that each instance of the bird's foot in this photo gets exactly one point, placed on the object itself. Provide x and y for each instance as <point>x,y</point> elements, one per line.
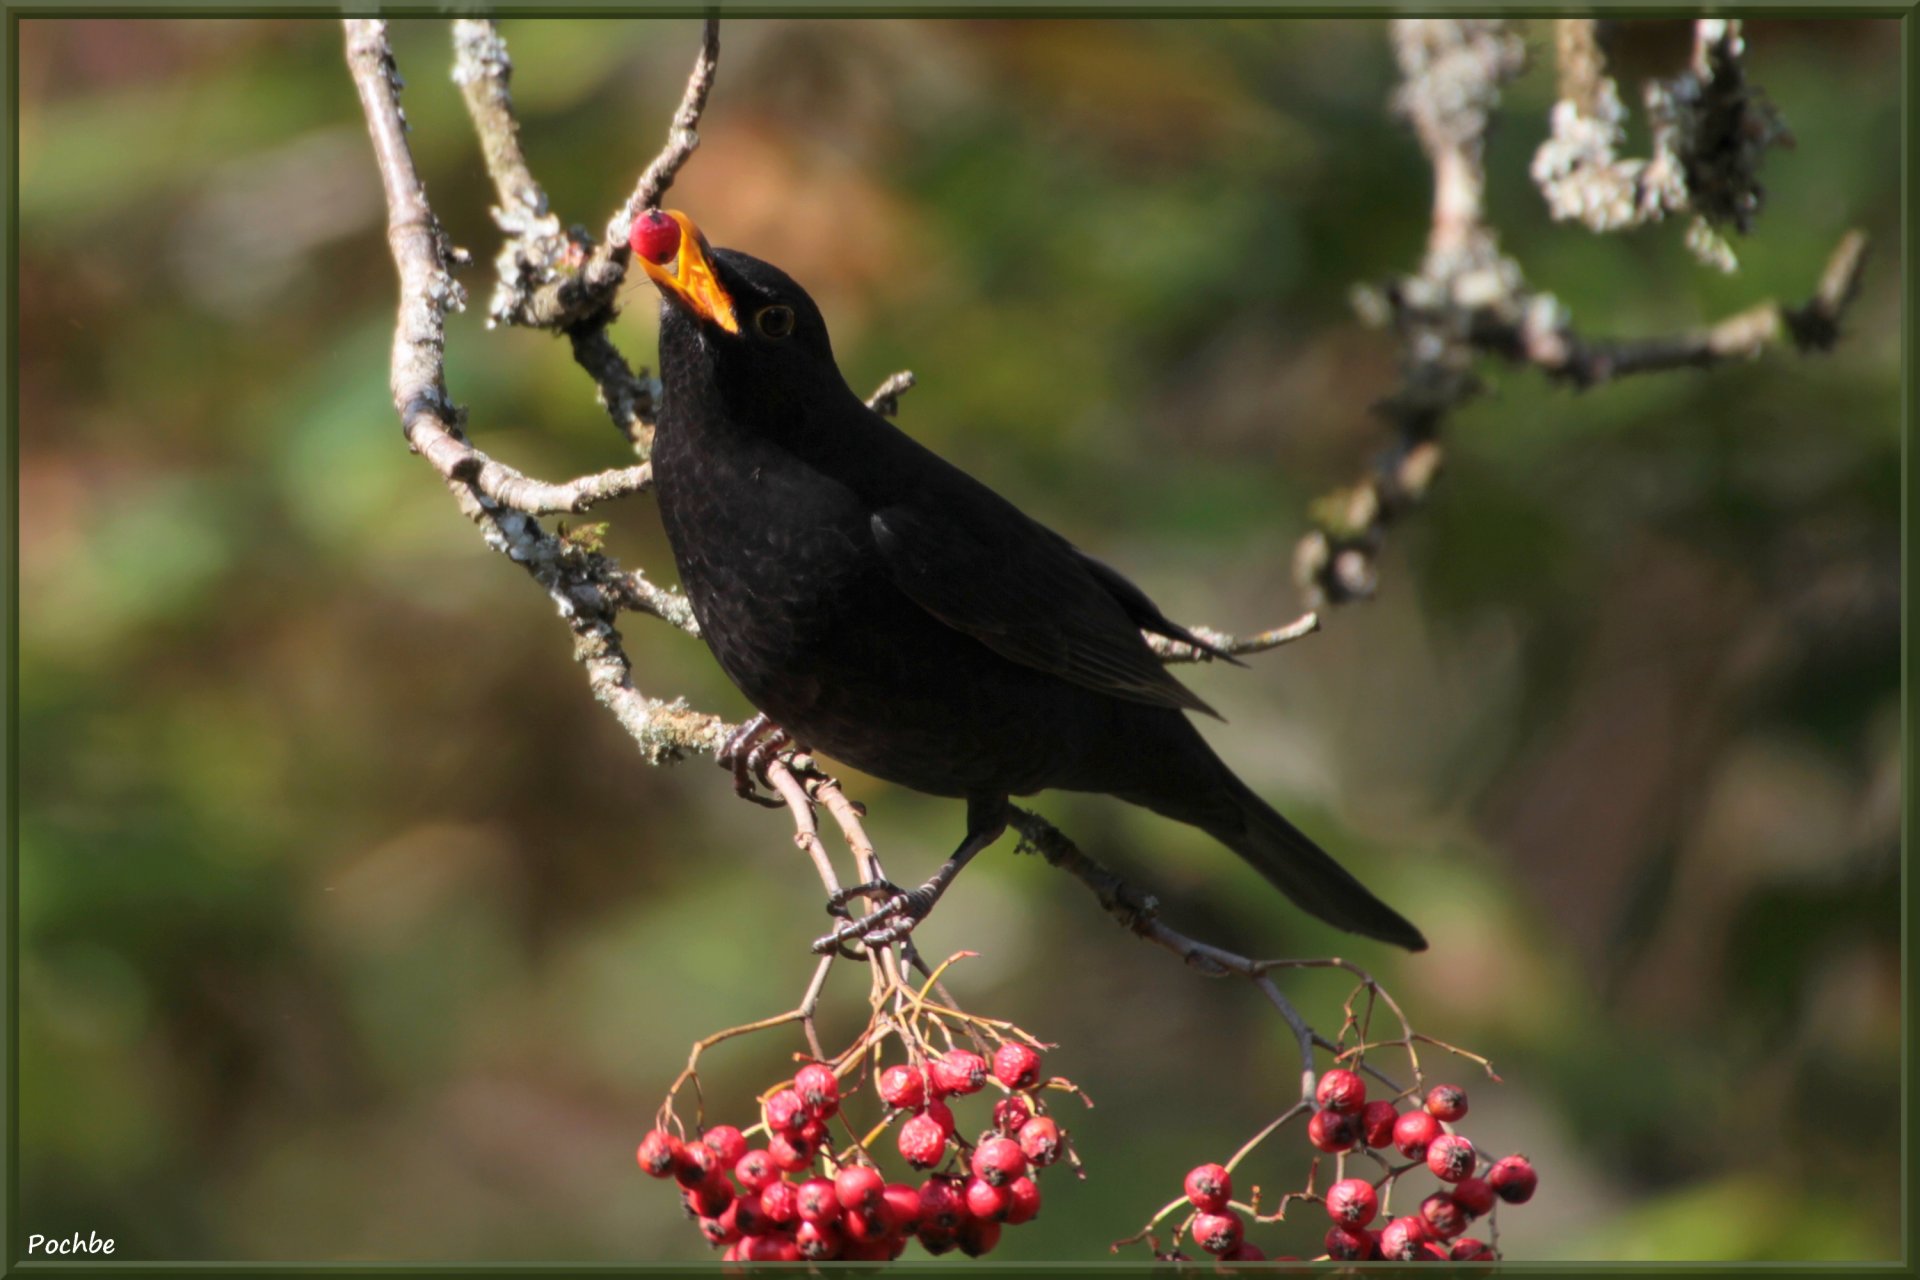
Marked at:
<point>748,751</point>
<point>899,912</point>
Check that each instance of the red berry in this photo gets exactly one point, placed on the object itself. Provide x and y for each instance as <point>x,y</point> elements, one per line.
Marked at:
<point>941,1114</point>
<point>1040,1141</point>
<point>789,1155</point>
<point>767,1249</point>
<point>1443,1215</point>
<point>1247,1252</point>
<point>748,1215</point>
<point>1413,1132</point>
<point>655,236</point>
<point>961,1071</point>
<point>1447,1102</point>
<point>1009,1114</point>
<point>780,1204</point>
<point>1209,1186</point>
<point>922,1141</point>
<point>1474,1195</point>
<point>1016,1066</point>
<point>1342,1091</point>
<point>727,1143</point>
<point>938,1240</point>
<point>710,1199</point>
<point>817,1241</point>
<point>1376,1123</point>
<point>879,1249</point>
<point>1331,1131</point>
<point>659,1153</point>
<point>818,1088</point>
<point>1402,1238</point>
<point>1513,1179</point>
<point>697,1164</point>
<point>1467,1249</point>
<point>817,1201</point>
<point>902,1086</point>
<point>859,1186</point>
<point>755,1170</point>
<point>902,1205</point>
<point>1023,1201</point>
<point>998,1161</point>
<point>1352,1202</point>
<point>1217,1233</point>
<point>719,1231</point>
<point>1451,1157</point>
<point>978,1236</point>
<point>984,1200</point>
<point>786,1113</point>
<point>1431,1251</point>
<point>941,1206</point>
<point>1348,1244</point>
<point>865,1225</point>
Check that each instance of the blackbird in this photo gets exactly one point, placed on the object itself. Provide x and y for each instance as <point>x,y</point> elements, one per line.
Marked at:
<point>884,608</point>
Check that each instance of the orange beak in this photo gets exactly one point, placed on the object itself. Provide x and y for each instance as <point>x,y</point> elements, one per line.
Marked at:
<point>690,279</point>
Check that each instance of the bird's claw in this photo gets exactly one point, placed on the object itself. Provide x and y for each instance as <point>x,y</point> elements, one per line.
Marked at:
<point>898,914</point>
<point>748,751</point>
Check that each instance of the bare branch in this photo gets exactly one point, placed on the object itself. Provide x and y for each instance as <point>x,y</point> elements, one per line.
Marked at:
<point>628,398</point>
<point>1172,651</point>
<point>578,581</point>
<point>681,139</point>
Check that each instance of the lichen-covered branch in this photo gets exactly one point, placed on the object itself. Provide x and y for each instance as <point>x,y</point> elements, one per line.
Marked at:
<point>1470,301</point>
<point>1710,131</point>
<point>581,583</point>
<point>885,399</point>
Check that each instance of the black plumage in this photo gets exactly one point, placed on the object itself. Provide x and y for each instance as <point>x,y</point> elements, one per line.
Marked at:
<point>893,613</point>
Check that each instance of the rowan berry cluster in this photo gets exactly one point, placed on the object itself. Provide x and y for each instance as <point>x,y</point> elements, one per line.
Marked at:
<point>797,1197</point>
<point>1344,1123</point>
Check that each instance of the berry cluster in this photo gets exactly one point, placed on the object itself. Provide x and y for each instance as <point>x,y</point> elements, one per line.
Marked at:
<point>796,1198</point>
<point>1346,1122</point>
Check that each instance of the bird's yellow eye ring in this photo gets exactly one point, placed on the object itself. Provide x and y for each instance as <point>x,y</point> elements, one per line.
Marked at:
<point>774,322</point>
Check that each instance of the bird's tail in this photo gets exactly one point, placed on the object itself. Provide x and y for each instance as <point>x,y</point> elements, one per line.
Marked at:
<point>1232,814</point>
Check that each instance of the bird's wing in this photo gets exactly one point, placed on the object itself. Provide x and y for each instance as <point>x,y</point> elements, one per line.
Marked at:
<point>1145,613</point>
<point>1027,594</point>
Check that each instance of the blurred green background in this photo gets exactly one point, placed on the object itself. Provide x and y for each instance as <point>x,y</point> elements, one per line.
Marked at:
<point>350,927</point>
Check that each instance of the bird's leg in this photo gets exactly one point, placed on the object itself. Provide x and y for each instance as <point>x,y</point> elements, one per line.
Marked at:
<point>749,761</point>
<point>906,908</point>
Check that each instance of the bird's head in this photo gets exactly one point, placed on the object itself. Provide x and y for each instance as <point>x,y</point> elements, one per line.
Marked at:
<point>742,319</point>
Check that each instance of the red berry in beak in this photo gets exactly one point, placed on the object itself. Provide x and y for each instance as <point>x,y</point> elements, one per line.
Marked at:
<point>655,237</point>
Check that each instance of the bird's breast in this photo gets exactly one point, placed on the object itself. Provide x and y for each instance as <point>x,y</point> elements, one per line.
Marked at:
<point>771,556</point>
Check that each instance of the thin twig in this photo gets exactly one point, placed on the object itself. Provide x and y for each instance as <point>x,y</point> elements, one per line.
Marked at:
<point>1172,651</point>
<point>885,399</point>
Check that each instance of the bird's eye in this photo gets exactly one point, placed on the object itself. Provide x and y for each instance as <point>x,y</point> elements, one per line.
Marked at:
<point>774,322</point>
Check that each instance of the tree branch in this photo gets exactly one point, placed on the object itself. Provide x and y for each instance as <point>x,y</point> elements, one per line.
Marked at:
<point>581,583</point>
<point>1469,300</point>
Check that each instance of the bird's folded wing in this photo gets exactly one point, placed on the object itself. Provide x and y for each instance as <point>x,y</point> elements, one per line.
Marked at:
<point>1024,592</point>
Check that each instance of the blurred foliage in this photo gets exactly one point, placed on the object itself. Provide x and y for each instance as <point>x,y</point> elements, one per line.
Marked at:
<point>352,928</point>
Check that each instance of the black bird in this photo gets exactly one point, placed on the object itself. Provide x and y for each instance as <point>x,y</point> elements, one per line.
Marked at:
<point>886,609</point>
